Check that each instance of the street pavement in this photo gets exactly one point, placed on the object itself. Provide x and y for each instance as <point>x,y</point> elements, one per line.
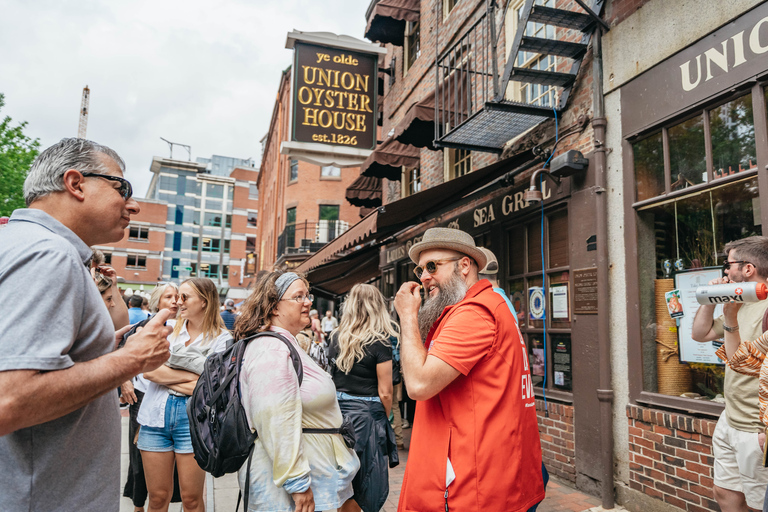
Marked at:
<point>221,493</point>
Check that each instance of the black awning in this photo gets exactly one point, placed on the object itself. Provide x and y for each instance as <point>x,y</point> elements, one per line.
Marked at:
<point>388,160</point>
<point>364,192</point>
<point>386,20</point>
<point>338,277</point>
<point>412,210</point>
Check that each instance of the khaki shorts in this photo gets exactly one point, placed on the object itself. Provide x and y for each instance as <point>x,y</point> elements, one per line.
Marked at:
<point>739,463</point>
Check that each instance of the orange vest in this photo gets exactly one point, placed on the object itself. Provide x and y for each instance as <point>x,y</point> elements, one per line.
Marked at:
<point>484,421</point>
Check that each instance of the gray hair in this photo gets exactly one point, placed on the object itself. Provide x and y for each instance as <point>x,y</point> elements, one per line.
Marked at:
<point>47,172</point>
<point>154,299</point>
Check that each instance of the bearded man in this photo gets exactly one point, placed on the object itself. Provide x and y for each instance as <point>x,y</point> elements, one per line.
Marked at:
<point>475,440</point>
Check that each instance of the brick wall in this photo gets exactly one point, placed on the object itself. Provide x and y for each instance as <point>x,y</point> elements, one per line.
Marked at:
<point>557,441</point>
<point>670,457</point>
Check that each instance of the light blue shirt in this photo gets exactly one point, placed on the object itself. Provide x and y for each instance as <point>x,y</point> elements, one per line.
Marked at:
<point>501,292</point>
<point>136,315</point>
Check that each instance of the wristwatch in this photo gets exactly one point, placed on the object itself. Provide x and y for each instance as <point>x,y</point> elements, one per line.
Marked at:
<point>730,329</point>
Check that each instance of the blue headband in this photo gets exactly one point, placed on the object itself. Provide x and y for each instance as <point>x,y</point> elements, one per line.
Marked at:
<point>284,281</point>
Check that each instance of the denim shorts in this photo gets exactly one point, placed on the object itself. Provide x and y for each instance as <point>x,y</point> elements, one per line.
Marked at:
<point>174,435</point>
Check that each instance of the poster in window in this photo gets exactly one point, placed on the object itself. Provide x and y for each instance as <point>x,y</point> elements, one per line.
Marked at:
<point>561,348</point>
<point>536,357</point>
<point>560,301</point>
<point>692,351</point>
<point>536,302</point>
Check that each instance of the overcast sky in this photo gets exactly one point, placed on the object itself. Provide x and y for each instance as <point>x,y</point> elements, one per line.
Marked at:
<point>196,72</point>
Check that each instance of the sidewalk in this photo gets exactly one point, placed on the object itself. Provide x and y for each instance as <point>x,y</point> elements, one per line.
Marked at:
<point>221,493</point>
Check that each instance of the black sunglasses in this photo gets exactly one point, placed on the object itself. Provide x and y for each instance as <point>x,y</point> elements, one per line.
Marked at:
<point>431,266</point>
<point>727,264</point>
<point>125,189</point>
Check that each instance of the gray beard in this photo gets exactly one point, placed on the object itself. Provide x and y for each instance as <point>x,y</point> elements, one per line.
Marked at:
<point>451,292</point>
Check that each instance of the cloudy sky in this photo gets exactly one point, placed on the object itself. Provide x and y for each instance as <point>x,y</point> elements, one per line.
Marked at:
<point>196,72</point>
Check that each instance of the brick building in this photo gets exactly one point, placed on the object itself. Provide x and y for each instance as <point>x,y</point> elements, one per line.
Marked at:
<point>668,117</point>
<point>302,204</point>
<point>138,257</point>
<point>195,223</point>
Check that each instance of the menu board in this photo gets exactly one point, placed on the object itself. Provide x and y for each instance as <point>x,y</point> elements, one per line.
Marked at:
<point>692,351</point>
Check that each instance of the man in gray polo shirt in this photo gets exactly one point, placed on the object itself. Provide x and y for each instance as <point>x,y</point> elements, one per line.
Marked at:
<point>59,417</point>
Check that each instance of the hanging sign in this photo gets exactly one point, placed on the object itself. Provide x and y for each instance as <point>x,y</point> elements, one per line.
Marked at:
<point>334,93</point>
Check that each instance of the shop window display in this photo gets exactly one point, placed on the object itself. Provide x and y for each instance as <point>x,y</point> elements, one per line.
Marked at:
<point>683,235</point>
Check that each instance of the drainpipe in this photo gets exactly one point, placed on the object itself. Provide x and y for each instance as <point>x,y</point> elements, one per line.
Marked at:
<point>605,390</point>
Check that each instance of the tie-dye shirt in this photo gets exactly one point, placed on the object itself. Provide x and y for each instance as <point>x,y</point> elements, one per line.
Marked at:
<point>285,460</point>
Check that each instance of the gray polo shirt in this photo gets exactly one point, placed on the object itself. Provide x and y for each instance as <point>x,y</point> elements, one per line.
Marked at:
<point>52,318</point>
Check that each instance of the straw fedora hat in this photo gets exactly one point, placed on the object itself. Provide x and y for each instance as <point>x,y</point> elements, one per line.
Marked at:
<point>492,267</point>
<point>448,238</point>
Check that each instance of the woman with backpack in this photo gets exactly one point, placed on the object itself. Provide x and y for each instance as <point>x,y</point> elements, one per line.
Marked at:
<point>290,469</point>
<point>164,437</point>
<point>361,362</point>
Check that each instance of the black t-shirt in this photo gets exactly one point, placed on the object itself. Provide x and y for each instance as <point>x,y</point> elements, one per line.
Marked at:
<point>361,379</point>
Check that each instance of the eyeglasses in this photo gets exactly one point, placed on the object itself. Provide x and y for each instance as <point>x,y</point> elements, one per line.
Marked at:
<point>185,297</point>
<point>431,266</point>
<point>125,189</point>
<point>301,299</point>
<point>727,264</point>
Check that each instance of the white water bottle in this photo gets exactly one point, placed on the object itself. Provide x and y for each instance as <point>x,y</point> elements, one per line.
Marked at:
<point>731,292</point>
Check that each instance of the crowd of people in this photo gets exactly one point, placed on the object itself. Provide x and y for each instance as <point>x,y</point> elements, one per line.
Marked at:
<point>325,440</point>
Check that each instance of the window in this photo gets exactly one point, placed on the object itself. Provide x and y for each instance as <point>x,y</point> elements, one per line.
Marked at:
<point>228,221</point>
<point>458,163</point>
<point>179,215</point>
<point>253,191</point>
<point>330,171</point>
<point>136,261</point>
<point>411,181</point>
<point>290,227</point>
<point>212,219</point>
<point>536,94</point>
<point>250,244</point>
<point>208,270</point>
<point>448,6</point>
<point>226,246</point>
<point>138,233</point>
<point>294,170</point>
<point>412,48</point>
<point>213,190</point>
<point>167,183</point>
<point>732,137</point>
<point>107,258</point>
<point>696,190</point>
<point>177,241</point>
<point>329,212</point>
<point>209,244</point>
<point>525,283</point>
<point>253,219</point>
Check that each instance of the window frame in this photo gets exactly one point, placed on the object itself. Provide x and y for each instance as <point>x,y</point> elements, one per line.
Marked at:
<point>452,163</point>
<point>137,258</point>
<point>139,238</point>
<point>637,394</point>
<point>411,39</point>
<point>411,181</point>
<point>293,170</point>
<point>532,221</point>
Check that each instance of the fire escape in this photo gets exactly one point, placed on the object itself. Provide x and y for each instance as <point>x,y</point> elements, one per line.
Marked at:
<point>475,107</point>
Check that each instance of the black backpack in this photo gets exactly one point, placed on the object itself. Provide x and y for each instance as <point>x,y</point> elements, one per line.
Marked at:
<point>221,437</point>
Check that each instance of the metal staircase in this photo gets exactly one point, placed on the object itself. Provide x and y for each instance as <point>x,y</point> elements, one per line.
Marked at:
<point>473,120</point>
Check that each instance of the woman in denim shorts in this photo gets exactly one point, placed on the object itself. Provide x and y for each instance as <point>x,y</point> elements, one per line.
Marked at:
<point>164,438</point>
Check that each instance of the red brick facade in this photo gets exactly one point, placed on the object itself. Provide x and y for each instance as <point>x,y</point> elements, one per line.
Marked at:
<point>557,440</point>
<point>148,245</point>
<point>670,457</point>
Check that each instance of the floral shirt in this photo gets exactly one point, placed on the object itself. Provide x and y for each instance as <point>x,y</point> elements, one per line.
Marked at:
<point>749,360</point>
<point>285,460</point>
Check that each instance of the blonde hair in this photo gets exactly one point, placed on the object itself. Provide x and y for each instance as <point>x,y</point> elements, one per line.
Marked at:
<point>256,312</point>
<point>364,321</point>
<point>212,322</point>
<point>157,293</point>
<point>104,283</point>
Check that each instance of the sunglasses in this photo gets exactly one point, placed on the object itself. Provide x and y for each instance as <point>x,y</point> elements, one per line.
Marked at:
<point>125,189</point>
<point>727,264</point>
<point>431,266</point>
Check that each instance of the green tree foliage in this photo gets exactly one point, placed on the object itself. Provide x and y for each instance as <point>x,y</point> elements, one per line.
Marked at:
<point>17,152</point>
